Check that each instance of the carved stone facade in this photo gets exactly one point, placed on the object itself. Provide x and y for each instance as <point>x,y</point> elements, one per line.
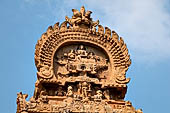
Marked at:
<point>81,68</point>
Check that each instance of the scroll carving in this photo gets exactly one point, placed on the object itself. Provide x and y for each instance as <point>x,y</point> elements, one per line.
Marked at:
<point>45,72</point>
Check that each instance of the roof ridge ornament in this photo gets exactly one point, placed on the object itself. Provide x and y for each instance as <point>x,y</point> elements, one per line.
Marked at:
<point>81,19</point>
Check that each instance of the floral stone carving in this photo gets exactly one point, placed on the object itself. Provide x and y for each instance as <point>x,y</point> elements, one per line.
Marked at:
<point>81,67</point>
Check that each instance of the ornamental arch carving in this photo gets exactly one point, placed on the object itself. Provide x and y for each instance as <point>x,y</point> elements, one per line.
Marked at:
<point>81,67</point>
<point>113,47</point>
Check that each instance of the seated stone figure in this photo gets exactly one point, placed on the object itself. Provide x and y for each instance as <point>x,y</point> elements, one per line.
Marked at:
<point>69,91</point>
<point>98,95</point>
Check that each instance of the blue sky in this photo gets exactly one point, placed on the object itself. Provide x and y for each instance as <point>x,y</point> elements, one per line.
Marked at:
<point>143,24</point>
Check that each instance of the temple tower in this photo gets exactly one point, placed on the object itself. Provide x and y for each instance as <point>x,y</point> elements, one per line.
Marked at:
<point>81,67</point>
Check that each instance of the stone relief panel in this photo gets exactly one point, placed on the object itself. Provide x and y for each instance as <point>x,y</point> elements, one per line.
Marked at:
<point>81,60</point>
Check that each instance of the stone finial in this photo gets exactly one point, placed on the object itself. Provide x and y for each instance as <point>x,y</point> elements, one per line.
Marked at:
<point>81,19</point>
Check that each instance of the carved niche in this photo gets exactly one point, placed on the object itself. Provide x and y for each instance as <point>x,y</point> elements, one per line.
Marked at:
<point>81,60</point>
<point>81,68</point>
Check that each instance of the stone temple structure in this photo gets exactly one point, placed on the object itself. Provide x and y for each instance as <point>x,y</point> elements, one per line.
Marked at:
<point>81,67</point>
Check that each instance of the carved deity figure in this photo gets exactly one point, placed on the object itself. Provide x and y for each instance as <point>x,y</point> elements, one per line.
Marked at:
<point>59,92</point>
<point>21,100</point>
<point>98,95</point>
<point>71,55</point>
<point>69,91</point>
<point>37,90</point>
<point>107,94</point>
<point>63,62</point>
<point>81,52</point>
<point>84,89</point>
